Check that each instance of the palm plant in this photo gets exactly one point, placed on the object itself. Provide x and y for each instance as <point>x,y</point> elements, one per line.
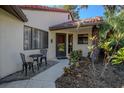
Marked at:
<point>113,21</point>
<point>119,57</point>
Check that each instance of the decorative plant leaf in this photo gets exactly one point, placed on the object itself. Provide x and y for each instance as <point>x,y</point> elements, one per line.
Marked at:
<point>119,57</point>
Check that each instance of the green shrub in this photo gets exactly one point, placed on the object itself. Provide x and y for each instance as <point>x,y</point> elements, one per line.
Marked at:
<point>67,70</point>
<point>80,54</point>
<point>75,56</point>
<point>119,57</point>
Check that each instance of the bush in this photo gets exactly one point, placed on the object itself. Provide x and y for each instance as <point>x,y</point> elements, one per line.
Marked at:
<point>118,58</point>
<point>75,56</point>
<point>80,54</point>
<point>67,71</point>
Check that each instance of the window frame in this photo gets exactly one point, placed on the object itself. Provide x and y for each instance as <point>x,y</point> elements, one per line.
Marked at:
<point>39,31</point>
<point>24,37</point>
<point>34,32</point>
<point>82,40</point>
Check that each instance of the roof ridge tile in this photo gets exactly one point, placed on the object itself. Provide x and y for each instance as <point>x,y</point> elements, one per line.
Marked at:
<point>43,8</point>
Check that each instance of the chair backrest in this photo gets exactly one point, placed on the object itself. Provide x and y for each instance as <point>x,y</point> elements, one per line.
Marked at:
<point>43,52</point>
<point>23,57</point>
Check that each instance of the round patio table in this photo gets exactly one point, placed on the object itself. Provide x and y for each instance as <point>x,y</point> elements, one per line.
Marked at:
<point>36,58</point>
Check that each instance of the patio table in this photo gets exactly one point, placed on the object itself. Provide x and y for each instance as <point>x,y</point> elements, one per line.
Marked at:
<point>36,58</point>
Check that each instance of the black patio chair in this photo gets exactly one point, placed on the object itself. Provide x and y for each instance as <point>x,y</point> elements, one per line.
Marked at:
<point>26,65</point>
<point>44,55</point>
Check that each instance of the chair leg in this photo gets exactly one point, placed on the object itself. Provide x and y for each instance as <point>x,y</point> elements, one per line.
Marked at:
<point>23,68</point>
<point>46,61</point>
<point>29,66</point>
<point>32,68</point>
<point>26,70</point>
<point>41,60</point>
<point>37,65</point>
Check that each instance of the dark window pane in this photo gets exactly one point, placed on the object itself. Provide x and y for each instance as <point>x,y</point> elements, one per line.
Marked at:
<point>27,38</point>
<point>39,39</point>
<point>35,39</point>
<point>83,39</point>
<point>45,40</point>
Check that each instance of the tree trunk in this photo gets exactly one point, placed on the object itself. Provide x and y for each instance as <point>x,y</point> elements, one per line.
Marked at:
<point>103,71</point>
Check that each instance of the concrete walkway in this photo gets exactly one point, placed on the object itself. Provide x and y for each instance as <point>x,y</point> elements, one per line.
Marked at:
<point>45,79</point>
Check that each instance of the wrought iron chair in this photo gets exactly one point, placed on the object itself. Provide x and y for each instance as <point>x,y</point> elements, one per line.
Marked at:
<point>44,55</point>
<point>25,64</point>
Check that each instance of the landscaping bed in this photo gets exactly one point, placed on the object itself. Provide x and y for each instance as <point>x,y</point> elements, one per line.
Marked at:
<point>83,76</point>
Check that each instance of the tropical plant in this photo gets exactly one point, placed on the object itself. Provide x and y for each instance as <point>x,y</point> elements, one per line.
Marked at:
<point>79,53</point>
<point>106,46</point>
<point>67,70</point>
<point>75,56</point>
<point>115,23</point>
<point>111,36</point>
<point>93,54</point>
<point>119,57</point>
<point>73,9</point>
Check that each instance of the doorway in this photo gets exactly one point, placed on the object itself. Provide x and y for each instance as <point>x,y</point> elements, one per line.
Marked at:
<point>60,45</point>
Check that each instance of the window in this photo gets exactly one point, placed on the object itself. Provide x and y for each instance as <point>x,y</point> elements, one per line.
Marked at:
<point>35,38</point>
<point>27,37</point>
<point>82,38</point>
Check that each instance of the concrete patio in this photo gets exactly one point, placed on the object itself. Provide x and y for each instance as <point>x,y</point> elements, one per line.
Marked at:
<point>45,79</point>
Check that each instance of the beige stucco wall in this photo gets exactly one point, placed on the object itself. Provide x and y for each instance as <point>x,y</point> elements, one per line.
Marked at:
<point>11,43</point>
<point>76,46</point>
<point>44,19</point>
<point>11,37</point>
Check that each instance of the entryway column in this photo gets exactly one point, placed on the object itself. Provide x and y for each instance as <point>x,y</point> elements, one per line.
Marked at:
<point>66,44</point>
<point>95,32</point>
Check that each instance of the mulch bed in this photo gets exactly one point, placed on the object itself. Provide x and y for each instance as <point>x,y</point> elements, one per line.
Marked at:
<point>83,77</point>
<point>21,76</point>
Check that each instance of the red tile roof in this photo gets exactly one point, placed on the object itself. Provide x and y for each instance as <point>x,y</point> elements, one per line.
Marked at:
<point>82,22</point>
<point>43,8</point>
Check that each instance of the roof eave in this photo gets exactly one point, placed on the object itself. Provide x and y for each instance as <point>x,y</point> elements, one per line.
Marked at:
<point>30,8</point>
<point>84,25</point>
<point>16,11</point>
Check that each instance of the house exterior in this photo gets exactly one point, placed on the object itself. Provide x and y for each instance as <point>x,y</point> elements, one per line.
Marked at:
<point>69,36</point>
<point>11,39</point>
<point>42,18</point>
<point>29,28</point>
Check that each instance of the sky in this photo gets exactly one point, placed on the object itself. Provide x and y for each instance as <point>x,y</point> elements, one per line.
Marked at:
<point>91,11</point>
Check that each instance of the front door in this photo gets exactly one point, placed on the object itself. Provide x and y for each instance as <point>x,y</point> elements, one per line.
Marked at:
<point>60,45</point>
